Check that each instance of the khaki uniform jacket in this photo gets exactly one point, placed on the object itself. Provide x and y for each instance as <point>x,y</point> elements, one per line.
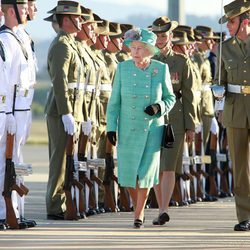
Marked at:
<point>105,80</point>
<point>64,67</point>
<point>123,56</point>
<point>90,109</point>
<point>235,70</point>
<point>207,103</point>
<point>112,62</point>
<point>183,115</point>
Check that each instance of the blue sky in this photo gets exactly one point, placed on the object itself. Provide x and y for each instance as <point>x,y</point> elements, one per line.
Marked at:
<point>116,10</point>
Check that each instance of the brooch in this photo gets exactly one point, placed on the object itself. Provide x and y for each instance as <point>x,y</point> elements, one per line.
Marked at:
<point>155,72</point>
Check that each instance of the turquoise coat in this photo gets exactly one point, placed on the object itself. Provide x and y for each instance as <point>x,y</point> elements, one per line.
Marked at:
<point>139,135</point>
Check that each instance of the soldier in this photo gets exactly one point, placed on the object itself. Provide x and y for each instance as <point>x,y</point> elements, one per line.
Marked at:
<point>182,116</point>
<point>24,116</point>
<point>3,84</point>
<point>15,13</point>
<point>114,46</point>
<point>65,70</point>
<point>235,77</point>
<point>91,97</point>
<point>124,54</point>
<point>207,106</point>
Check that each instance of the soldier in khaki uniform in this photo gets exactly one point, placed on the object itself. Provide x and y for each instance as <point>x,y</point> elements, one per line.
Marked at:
<point>65,70</point>
<point>182,116</point>
<point>235,75</point>
<point>114,46</point>
<point>124,54</point>
<point>207,104</point>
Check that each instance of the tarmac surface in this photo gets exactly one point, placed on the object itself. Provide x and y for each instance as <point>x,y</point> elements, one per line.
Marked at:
<point>199,226</point>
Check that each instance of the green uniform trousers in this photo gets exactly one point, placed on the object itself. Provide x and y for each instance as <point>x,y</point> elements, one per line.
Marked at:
<point>238,140</point>
<point>55,197</point>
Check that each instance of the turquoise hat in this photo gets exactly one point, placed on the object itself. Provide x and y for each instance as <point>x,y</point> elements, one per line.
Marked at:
<point>141,35</point>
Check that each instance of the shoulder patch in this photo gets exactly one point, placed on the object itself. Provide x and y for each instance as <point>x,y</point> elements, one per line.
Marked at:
<point>2,54</point>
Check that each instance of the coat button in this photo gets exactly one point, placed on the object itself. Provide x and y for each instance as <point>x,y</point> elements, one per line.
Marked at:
<point>145,130</point>
<point>146,86</point>
<point>145,118</point>
<point>146,96</point>
<point>134,96</point>
<point>134,84</point>
<point>134,74</point>
<point>133,107</point>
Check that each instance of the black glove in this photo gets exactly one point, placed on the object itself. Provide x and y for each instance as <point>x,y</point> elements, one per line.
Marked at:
<point>152,109</point>
<point>112,137</point>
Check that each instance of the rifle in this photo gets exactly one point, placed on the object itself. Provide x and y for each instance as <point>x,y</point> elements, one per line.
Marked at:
<point>82,153</point>
<point>70,179</point>
<point>109,173</point>
<point>10,180</point>
<point>10,185</point>
<point>93,165</point>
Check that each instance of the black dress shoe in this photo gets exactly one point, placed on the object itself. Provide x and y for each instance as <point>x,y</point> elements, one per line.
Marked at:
<point>30,223</point>
<point>242,226</point>
<point>161,219</point>
<point>138,223</point>
<point>59,216</point>
<point>2,226</point>
<point>91,212</point>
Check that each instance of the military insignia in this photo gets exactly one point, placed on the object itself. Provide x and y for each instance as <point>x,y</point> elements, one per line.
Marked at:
<point>175,78</point>
<point>155,72</point>
<point>3,98</point>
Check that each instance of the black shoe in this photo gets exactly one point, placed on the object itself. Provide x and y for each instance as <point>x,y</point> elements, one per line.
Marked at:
<point>59,216</point>
<point>30,223</point>
<point>163,218</point>
<point>138,223</point>
<point>210,198</point>
<point>2,226</point>
<point>82,216</point>
<point>102,210</point>
<point>91,212</point>
<point>242,226</point>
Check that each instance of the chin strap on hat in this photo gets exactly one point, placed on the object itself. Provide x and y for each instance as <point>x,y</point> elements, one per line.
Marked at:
<point>17,13</point>
<point>70,17</point>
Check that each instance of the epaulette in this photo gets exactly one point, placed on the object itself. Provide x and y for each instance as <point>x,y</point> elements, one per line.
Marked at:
<point>181,55</point>
<point>2,54</point>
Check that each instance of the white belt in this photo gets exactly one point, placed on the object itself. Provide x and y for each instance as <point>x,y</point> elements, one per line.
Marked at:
<point>75,85</point>
<point>238,89</point>
<point>106,87</point>
<point>206,87</point>
<point>90,88</point>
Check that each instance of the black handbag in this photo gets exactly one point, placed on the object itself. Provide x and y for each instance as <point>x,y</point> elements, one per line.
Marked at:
<point>168,137</point>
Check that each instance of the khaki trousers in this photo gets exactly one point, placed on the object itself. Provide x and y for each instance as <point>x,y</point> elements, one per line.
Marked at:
<point>238,140</point>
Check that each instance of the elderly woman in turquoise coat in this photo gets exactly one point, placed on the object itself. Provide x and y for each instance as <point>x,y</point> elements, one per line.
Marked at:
<point>142,94</point>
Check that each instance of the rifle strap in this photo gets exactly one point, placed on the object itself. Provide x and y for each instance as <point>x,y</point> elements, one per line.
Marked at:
<point>2,54</point>
<point>8,31</point>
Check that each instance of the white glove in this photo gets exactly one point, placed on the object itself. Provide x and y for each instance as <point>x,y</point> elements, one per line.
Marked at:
<point>198,128</point>
<point>87,127</point>
<point>69,124</point>
<point>10,124</point>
